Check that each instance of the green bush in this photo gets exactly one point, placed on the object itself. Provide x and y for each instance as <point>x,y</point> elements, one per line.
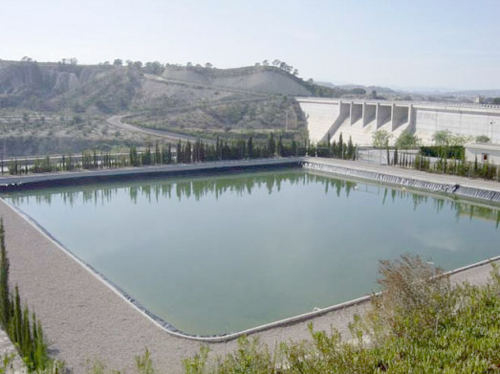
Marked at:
<point>420,323</point>
<point>452,151</point>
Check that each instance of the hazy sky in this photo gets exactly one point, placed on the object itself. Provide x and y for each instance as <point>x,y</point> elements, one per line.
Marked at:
<point>436,43</point>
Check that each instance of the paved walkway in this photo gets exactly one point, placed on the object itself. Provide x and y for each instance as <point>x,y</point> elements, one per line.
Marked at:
<point>85,319</point>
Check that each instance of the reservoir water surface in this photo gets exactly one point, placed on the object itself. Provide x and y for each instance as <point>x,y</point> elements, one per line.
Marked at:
<point>216,254</point>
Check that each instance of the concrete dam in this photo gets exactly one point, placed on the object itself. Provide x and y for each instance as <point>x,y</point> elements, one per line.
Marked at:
<point>359,119</point>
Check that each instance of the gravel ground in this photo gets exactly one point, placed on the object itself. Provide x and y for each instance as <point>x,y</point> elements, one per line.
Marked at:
<point>14,364</point>
<point>84,319</point>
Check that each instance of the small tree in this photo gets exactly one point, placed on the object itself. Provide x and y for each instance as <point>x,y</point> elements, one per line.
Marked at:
<point>442,137</point>
<point>381,138</point>
<point>447,138</point>
<point>407,140</point>
<point>482,139</point>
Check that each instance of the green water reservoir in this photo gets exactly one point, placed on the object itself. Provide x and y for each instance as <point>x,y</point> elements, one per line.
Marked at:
<point>223,253</point>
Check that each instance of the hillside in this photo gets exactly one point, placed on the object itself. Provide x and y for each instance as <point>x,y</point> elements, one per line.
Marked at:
<point>263,79</point>
<point>63,107</point>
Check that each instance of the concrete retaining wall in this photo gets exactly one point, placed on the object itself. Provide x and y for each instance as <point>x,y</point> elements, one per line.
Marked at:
<point>24,182</point>
<point>422,118</point>
<point>465,122</point>
<point>451,189</point>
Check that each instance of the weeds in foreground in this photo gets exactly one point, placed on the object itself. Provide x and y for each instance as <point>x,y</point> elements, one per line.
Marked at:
<point>143,365</point>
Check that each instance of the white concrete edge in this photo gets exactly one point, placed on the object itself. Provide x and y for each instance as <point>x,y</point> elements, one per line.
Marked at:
<point>417,178</point>
<point>145,171</point>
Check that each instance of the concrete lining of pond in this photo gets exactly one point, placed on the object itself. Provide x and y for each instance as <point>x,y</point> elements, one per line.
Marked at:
<point>84,318</point>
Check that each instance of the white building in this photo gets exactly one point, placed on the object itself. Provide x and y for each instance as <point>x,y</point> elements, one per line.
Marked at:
<point>484,153</point>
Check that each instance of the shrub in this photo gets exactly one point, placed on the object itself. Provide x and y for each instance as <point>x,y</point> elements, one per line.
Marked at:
<point>420,323</point>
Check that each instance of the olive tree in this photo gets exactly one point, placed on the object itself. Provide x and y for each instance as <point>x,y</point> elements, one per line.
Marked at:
<point>407,140</point>
<point>381,138</point>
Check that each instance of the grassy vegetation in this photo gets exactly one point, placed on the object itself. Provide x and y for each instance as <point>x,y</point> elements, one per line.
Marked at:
<point>420,323</point>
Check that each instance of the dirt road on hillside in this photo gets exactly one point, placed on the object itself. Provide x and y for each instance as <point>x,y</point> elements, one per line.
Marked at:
<point>172,137</point>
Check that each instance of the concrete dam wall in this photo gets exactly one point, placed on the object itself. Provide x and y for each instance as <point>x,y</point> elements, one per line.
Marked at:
<point>359,119</point>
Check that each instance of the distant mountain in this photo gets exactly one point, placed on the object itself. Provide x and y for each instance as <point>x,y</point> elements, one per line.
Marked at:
<point>486,93</point>
<point>326,84</point>
<point>420,89</point>
<point>350,87</point>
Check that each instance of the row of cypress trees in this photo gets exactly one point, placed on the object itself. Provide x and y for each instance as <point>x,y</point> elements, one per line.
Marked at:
<point>22,327</point>
<point>340,149</point>
<point>453,166</point>
<point>188,152</point>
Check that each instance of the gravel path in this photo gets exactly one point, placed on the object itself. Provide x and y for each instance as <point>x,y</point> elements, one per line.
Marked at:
<point>85,319</point>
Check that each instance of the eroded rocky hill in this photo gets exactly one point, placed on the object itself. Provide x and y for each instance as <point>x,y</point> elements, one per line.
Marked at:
<point>67,103</point>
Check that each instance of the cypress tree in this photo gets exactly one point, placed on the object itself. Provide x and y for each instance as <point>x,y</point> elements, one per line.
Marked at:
<point>334,148</point>
<point>280,146</point>
<point>5,308</point>
<point>157,153</point>
<point>15,320</point>
<point>250,148</point>
<point>218,148</point>
<point>26,341</point>
<point>294,148</point>
<point>187,154</point>
<point>34,329</point>
<point>133,156</point>
<point>40,350</point>
<point>179,152</point>
<point>18,317</point>
<point>341,146</point>
<point>200,151</point>
<point>350,149</point>
<point>271,145</point>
